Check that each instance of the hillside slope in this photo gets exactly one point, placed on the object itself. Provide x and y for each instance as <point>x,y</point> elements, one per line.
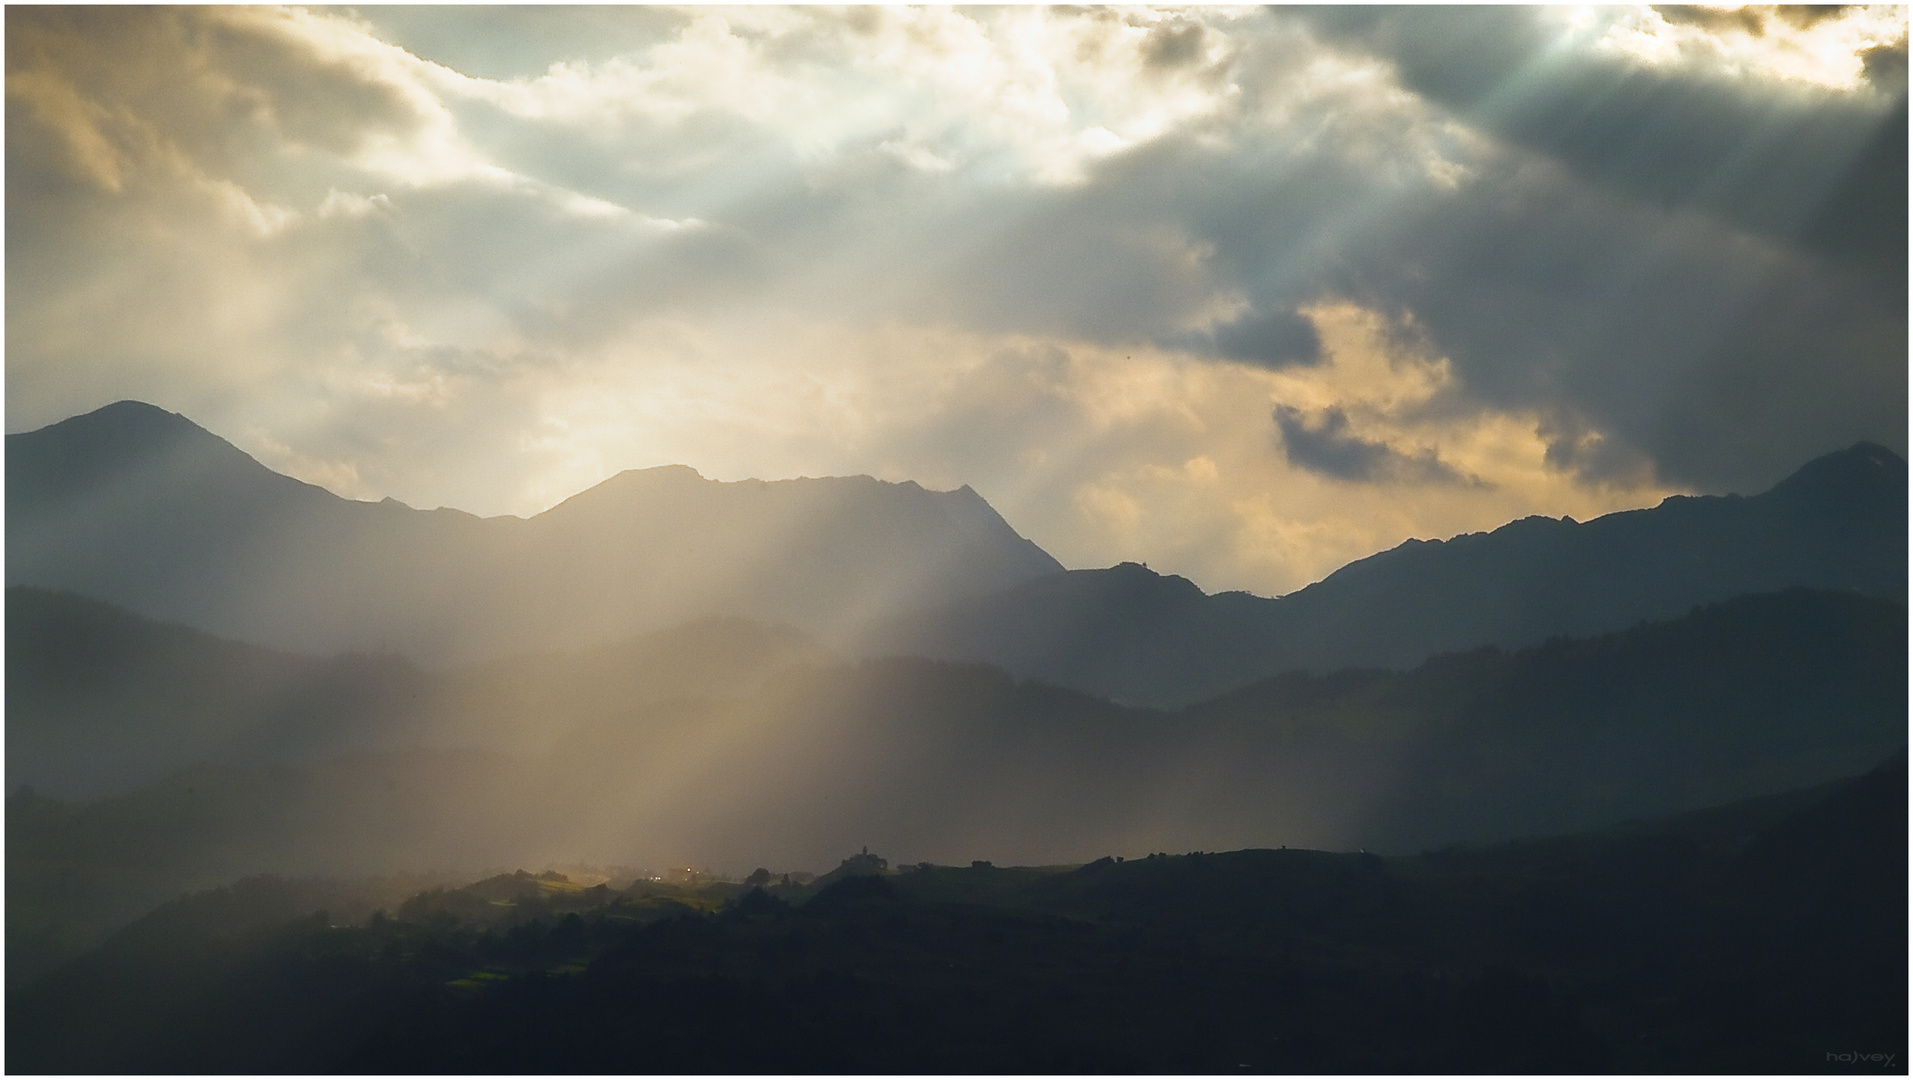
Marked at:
<point>1748,938</point>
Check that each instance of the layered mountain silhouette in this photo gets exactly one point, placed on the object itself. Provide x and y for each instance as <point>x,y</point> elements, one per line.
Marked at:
<point>101,701</point>
<point>950,762</point>
<point>141,508</point>
<point>1134,635</point>
<point>215,671</point>
<point>930,760</point>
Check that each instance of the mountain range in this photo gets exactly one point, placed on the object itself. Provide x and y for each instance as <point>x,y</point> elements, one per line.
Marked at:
<point>214,670</point>
<point>770,739</point>
<point>101,701</point>
<point>142,509</point>
<point>949,762</point>
<point>1131,634</point>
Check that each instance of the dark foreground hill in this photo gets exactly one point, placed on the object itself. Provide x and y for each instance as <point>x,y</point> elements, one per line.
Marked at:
<point>145,510</point>
<point>949,763</point>
<point>1129,634</point>
<point>1767,936</point>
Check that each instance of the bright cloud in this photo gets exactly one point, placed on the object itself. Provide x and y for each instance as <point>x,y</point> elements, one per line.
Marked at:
<point>1242,293</point>
<point>1820,46</point>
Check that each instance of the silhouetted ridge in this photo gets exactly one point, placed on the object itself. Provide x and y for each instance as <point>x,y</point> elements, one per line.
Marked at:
<point>1839,522</point>
<point>1865,478</point>
<point>100,700</point>
<point>123,429</point>
<point>752,756</point>
<point>90,455</point>
<point>140,508</point>
<point>634,484</point>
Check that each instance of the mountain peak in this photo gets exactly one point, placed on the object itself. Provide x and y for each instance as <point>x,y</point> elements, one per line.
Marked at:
<point>82,451</point>
<point>666,472</point>
<point>657,475</point>
<point>1138,576</point>
<point>1864,476</point>
<point>129,420</point>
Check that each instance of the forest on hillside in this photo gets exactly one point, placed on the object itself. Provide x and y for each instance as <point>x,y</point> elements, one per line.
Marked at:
<point>1766,936</point>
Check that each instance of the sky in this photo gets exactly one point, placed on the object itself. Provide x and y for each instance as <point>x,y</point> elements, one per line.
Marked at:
<point>1243,294</point>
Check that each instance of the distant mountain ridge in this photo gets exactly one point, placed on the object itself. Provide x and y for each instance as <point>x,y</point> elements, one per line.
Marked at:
<point>1840,522</point>
<point>756,759</point>
<point>141,508</point>
<point>932,759</point>
<point>101,701</point>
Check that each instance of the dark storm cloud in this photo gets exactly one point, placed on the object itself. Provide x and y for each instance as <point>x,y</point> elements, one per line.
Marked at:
<point>1764,157</point>
<point>1273,338</point>
<point>1683,276</point>
<point>1724,359</point>
<point>1863,220</point>
<point>1324,444</point>
<point>1885,67</point>
<point>1710,275</point>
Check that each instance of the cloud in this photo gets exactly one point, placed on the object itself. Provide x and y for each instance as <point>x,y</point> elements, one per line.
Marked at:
<point>1756,144</point>
<point>1274,338</point>
<point>506,42</point>
<point>1658,257</point>
<point>1714,353</point>
<point>1101,264</point>
<point>1324,444</point>
<point>1823,45</point>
